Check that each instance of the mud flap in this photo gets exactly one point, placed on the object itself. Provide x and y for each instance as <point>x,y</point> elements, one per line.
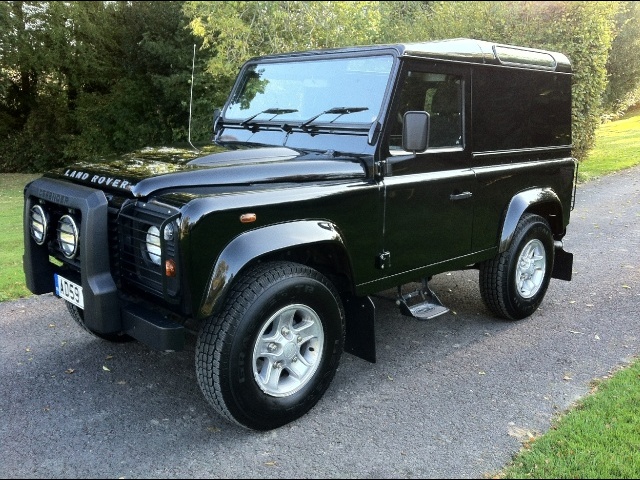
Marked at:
<point>360,337</point>
<point>562,264</point>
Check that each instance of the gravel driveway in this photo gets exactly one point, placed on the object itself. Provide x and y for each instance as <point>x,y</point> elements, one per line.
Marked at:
<point>452,397</point>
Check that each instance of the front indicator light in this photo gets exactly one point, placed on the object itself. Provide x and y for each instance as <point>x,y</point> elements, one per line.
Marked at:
<point>248,218</point>
<point>170,268</point>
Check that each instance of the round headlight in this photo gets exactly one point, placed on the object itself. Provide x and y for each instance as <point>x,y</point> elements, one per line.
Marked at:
<point>153,244</point>
<point>168,232</point>
<point>39,224</point>
<point>68,236</point>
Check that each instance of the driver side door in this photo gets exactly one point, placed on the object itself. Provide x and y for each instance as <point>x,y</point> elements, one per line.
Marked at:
<point>428,195</point>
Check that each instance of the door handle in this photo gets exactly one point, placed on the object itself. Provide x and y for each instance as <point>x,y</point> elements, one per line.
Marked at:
<point>460,196</point>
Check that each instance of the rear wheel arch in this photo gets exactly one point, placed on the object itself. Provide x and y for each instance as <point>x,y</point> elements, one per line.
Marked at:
<point>543,202</point>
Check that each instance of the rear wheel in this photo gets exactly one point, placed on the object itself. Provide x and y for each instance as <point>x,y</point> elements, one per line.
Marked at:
<point>272,352</point>
<point>513,283</point>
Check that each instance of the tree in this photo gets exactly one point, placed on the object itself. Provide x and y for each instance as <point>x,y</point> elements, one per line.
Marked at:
<point>85,79</point>
<point>45,56</point>
<point>623,64</point>
<point>233,32</point>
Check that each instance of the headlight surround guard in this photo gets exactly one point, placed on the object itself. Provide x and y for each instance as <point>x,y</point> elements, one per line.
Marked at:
<point>148,234</point>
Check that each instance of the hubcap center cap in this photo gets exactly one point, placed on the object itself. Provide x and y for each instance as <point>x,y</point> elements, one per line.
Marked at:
<point>290,350</point>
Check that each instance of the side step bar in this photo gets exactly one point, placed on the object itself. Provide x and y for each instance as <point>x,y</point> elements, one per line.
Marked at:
<point>422,303</point>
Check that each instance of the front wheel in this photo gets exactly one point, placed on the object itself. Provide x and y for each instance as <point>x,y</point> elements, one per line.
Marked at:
<point>78,315</point>
<point>273,350</point>
<point>513,283</point>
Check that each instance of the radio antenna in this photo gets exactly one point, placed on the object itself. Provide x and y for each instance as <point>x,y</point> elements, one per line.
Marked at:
<point>193,66</point>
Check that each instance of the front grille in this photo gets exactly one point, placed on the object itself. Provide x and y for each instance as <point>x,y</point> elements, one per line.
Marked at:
<point>137,247</point>
<point>114,242</point>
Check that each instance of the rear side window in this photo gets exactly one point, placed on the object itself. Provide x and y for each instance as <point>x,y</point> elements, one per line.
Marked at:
<point>514,108</point>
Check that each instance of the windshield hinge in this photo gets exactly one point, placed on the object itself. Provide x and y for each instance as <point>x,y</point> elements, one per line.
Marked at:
<point>380,169</point>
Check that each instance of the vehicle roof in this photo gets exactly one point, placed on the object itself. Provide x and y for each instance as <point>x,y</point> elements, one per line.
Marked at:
<point>459,49</point>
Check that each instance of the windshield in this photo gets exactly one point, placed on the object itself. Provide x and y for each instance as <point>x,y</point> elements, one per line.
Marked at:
<point>344,90</point>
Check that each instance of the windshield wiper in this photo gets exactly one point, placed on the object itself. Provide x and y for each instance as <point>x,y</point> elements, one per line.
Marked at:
<point>335,111</point>
<point>272,111</point>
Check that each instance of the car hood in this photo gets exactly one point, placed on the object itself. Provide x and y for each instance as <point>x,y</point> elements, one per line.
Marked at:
<point>149,170</point>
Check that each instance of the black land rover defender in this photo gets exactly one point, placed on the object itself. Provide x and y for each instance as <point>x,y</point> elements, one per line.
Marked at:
<point>332,175</point>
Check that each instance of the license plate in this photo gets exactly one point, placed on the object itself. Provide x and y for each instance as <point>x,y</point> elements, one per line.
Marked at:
<point>69,290</point>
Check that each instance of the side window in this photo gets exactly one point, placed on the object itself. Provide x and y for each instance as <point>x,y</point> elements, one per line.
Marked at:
<point>438,94</point>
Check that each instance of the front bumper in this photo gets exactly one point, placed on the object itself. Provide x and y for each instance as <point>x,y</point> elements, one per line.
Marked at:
<point>104,311</point>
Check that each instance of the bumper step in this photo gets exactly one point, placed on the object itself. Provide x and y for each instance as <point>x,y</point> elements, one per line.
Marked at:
<point>152,329</point>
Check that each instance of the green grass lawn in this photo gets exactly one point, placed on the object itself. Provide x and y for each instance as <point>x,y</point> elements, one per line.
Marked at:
<point>598,438</point>
<point>11,244</point>
<point>617,147</point>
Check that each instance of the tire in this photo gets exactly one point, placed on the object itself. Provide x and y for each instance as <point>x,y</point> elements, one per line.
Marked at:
<point>513,283</point>
<point>78,315</point>
<point>273,350</point>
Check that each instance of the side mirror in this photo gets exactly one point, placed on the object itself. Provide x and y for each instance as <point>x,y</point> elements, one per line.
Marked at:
<point>415,131</point>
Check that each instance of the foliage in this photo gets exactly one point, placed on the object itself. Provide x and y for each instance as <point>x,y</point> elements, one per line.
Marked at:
<point>80,79</point>
<point>584,31</point>
<point>233,32</point>
<point>623,64</point>
<point>86,79</point>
